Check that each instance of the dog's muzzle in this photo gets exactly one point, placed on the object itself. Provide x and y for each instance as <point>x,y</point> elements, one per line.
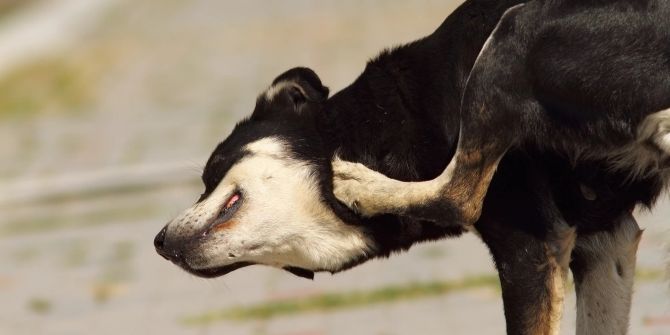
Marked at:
<point>159,244</point>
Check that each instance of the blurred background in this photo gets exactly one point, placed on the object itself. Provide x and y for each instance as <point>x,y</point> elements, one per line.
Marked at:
<point>108,111</point>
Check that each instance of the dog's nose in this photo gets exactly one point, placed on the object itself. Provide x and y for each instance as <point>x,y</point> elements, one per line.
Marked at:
<point>159,242</point>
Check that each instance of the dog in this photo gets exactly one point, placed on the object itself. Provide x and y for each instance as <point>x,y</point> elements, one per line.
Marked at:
<point>547,150</point>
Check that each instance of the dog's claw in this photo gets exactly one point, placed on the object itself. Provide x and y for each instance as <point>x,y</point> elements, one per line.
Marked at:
<point>355,207</point>
<point>358,187</point>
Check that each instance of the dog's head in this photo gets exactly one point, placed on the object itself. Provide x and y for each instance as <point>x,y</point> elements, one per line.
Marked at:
<point>268,196</point>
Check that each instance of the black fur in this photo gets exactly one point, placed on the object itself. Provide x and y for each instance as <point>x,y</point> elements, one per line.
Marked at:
<point>401,117</point>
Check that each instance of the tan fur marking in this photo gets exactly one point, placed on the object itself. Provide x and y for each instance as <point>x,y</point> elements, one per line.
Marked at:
<point>463,183</point>
<point>223,226</point>
<point>470,182</point>
<point>558,250</point>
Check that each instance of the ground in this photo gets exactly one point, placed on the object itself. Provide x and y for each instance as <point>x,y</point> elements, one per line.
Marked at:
<point>108,111</point>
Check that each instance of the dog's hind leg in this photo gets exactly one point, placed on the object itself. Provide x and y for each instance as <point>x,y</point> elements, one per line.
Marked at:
<point>603,267</point>
<point>453,198</point>
<point>492,119</point>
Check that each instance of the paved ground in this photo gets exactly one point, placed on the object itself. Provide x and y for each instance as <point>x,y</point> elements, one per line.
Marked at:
<point>103,143</point>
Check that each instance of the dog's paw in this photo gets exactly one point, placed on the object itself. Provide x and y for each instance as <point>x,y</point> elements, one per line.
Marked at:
<point>360,188</point>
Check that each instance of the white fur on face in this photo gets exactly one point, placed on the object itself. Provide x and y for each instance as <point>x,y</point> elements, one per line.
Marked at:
<point>281,222</point>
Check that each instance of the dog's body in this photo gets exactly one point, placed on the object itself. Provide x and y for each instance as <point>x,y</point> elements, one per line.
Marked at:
<point>537,75</point>
<point>269,197</point>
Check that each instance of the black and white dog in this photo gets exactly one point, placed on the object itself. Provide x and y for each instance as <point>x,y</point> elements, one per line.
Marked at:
<point>568,100</point>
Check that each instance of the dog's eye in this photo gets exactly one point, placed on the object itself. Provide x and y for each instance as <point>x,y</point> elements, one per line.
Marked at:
<point>232,201</point>
<point>230,207</point>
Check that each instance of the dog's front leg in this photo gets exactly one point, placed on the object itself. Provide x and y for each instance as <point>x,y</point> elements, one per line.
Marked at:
<point>603,266</point>
<point>532,273</point>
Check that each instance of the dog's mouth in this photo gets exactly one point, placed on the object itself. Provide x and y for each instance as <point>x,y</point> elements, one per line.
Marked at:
<point>179,259</point>
<point>300,272</point>
<point>223,270</point>
<point>217,271</point>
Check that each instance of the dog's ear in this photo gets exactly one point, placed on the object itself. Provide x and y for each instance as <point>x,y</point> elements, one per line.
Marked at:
<point>302,84</point>
<point>292,91</point>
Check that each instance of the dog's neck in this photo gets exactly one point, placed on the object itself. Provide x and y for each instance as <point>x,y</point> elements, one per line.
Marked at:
<point>401,116</point>
<point>408,98</point>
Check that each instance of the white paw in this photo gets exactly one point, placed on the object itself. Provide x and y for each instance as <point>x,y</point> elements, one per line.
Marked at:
<point>358,187</point>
